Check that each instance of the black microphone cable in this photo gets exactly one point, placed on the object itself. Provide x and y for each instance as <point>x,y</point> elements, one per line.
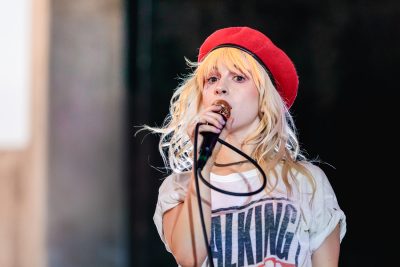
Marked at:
<point>198,174</point>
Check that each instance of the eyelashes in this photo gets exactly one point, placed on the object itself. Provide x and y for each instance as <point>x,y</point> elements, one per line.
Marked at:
<point>237,78</point>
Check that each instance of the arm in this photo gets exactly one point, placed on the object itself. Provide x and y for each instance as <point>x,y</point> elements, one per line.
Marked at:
<point>327,255</point>
<point>182,226</point>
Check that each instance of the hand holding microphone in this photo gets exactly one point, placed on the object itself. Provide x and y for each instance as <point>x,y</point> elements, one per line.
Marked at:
<point>213,121</point>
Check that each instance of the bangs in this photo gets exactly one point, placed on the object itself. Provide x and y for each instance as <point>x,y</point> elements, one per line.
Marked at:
<point>234,59</point>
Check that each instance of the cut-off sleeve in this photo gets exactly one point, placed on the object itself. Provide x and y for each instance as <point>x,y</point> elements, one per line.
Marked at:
<point>326,213</point>
<point>171,193</point>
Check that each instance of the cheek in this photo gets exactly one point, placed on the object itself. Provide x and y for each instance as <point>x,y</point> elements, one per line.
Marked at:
<point>253,92</point>
<point>252,98</point>
<point>206,98</point>
<point>251,107</point>
<point>247,108</point>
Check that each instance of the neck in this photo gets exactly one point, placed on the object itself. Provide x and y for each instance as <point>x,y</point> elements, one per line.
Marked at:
<point>237,138</point>
<point>226,155</point>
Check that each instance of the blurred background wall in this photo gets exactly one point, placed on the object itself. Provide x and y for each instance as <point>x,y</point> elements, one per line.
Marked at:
<point>81,190</point>
<point>87,206</point>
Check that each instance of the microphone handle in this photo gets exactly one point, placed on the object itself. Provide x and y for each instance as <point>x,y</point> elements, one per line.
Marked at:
<point>209,141</point>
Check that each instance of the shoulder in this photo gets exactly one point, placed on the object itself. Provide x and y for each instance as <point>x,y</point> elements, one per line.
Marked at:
<point>309,180</point>
<point>317,175</point>
<point>172,191</point>
<point>175,181</point>
<point>321,192</point>
<point>312,168</point>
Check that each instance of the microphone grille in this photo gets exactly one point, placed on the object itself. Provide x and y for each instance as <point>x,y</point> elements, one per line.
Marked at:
<point>226,108</point>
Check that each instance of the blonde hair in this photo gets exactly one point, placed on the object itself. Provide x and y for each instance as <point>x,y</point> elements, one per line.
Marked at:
<point>275,139</point>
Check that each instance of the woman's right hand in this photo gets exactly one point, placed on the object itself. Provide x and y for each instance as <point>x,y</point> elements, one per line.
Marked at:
<point>211,121</point>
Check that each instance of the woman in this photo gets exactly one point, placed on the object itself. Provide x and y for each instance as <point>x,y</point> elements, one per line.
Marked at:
<point>295,220</point>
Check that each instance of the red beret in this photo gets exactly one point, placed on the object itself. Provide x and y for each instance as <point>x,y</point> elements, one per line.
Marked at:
<point>277,64</point>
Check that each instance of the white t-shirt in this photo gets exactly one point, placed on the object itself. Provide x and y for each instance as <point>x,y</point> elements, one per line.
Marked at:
<point>261,230</point>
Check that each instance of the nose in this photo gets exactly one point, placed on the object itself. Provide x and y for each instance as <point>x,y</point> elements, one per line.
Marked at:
<point>221,90</point>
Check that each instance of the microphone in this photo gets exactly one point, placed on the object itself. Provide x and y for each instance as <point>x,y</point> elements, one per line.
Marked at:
<point>209,138</point>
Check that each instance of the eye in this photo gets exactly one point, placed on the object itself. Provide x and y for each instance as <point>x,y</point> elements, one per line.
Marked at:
<point>212,79</point>
<point>239,78</point>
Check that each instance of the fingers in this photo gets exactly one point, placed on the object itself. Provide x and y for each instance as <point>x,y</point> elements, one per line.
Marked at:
<point>210,116</point>
<point>227,128</point>
<point>210,120</point>
<point>214,119</point>
<point>209,128</point>
<point>205,126</point>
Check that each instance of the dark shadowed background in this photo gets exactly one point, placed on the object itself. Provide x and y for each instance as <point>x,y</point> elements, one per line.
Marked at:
<point>346,54</point>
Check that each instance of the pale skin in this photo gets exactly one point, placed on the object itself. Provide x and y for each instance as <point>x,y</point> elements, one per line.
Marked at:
<point>181,225</point>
